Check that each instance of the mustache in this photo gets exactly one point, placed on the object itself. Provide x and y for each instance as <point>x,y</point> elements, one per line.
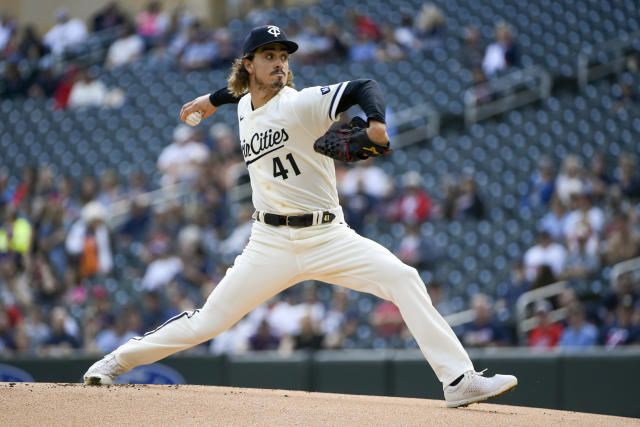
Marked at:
<point>277,72</point>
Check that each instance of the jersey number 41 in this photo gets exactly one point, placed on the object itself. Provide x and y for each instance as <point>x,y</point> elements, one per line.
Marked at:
<point>279,169</point>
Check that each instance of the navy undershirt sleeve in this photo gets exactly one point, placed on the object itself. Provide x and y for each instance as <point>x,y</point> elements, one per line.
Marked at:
<point>367,94</point>
<point>221,97</point>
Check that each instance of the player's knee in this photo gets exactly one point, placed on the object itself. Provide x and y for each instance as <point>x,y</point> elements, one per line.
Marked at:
<point>407,276</point>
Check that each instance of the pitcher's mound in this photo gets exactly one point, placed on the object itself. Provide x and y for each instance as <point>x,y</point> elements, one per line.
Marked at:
<point>28,404</point>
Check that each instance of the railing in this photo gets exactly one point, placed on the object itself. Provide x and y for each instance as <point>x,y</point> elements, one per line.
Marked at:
<point>525,324</point>
<point>118,211</point>
<point>419,133</point>
<point>631,265</point>
<point>605,58</point>
<point>505,93</point>
<point>460,318</point>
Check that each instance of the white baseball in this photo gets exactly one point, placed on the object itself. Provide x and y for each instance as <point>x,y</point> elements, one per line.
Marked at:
<point>194,118</point>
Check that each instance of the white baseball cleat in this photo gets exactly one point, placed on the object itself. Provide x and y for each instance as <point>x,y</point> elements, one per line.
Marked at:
<point>104,371</point>
<point>473,388</point>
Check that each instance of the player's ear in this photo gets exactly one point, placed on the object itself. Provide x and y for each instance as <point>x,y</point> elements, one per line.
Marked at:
<point>248,65</point>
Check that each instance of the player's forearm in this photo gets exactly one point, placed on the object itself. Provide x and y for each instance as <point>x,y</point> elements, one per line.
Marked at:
<point>367,94</point>
<point>221,97</point>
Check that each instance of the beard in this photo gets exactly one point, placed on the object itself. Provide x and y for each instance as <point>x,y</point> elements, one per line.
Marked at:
<point>272,86</point>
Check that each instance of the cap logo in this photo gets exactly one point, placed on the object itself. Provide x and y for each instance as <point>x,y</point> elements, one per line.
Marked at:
<point>273,30</point>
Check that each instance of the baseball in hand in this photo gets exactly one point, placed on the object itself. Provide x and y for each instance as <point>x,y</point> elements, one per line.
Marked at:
<point>194,118</point>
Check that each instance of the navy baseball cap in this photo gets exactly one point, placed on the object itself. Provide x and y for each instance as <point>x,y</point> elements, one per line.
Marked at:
<point>266,34</point>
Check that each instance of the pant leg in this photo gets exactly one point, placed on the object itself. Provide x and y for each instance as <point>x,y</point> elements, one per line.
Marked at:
<point>350,260</point>
<point>264,269</point>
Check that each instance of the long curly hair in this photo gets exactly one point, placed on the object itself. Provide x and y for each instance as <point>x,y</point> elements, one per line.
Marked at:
<point>238,80</point>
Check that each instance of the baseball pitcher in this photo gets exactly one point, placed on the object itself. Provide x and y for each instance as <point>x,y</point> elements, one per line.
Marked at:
<point>299,232</point>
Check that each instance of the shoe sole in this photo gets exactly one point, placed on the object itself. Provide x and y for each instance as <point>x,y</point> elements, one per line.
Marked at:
<point>478,399</point>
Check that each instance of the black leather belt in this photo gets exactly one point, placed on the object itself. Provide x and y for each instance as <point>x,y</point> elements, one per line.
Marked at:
<point>305,220</point>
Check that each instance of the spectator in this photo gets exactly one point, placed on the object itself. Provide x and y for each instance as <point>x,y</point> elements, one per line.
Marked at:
<point>200,50</point>
<point>554,222</point>
<point>363,49</point>
<point>622,331</point>
<point>544,277</point>
<point>472,49</point>
<point>484,331</point>
<point>236,241</point>
<point>6,335</point>
<point>126,327</point>
<point>578,334</point>
<point>89,91</point>
<point>164,266</point>
<point>45,84</point>
<point>366,27</point>
<point>430,25</point>
<point>501,54</point>
<point>541,184</point>
<point>37,330</point>
<point>263,339</point>
<point>597,180</point>
<point>386,319</point>
<point>15,234</point>
<point>373,180</point>
<point>108,17</point>
<point>338,40</point>
<point>13,84</point>
<point>63,90</point>
<point>584,212</point>
<point>626,95</point>
<point>127,48</point>
<point>570,179</point>
<point>623,241</point>
<point>88,241</point>
<point>582,261</point>
<point>623,288</point>
<point>66,33</point>
<point>415,250</point>
<point>183,159</point>
<point>226,49</point>
<point>518,285</point>
<point>110,190</point>
<point>62,340</point>
<point>438,298</point>
<point>546,334</point>
<point>136,226</point>
<point>152,23</point>
<point>414,204</point>
<point>546,251</point>
<point>31,47</point>
<point>628,180</point>
<point>152,311</point>
<point>468,204</point>
<point>389,50</point>
<point>405,34</point>
<point>7,28</point>
<point>309,337</point>
<point>286,315</point>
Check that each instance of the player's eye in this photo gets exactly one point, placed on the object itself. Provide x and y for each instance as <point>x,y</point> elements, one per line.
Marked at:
<point>269,56</point>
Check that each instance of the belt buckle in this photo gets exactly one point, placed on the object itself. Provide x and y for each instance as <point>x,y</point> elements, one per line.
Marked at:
<point>286,220</point>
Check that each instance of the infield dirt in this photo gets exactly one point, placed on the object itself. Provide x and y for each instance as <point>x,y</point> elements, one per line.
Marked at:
<point>29,404</point>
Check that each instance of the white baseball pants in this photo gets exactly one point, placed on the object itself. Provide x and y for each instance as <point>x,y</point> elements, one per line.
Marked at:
<point>278,257</point>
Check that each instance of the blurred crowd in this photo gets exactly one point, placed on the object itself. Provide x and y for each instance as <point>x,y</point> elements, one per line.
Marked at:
<point>73,276</point>
<point>87,263</point>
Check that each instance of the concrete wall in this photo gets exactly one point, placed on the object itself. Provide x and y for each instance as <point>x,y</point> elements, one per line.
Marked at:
<point>599,381</point>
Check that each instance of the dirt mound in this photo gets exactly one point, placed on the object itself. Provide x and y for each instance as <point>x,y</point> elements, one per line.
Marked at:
<point>27,404</point>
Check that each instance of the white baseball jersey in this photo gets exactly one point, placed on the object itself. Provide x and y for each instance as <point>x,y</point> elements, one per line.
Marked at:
<point>287,175</point>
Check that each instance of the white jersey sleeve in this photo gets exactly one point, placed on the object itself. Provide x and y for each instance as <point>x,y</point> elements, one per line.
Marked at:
<point>317,106</point>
